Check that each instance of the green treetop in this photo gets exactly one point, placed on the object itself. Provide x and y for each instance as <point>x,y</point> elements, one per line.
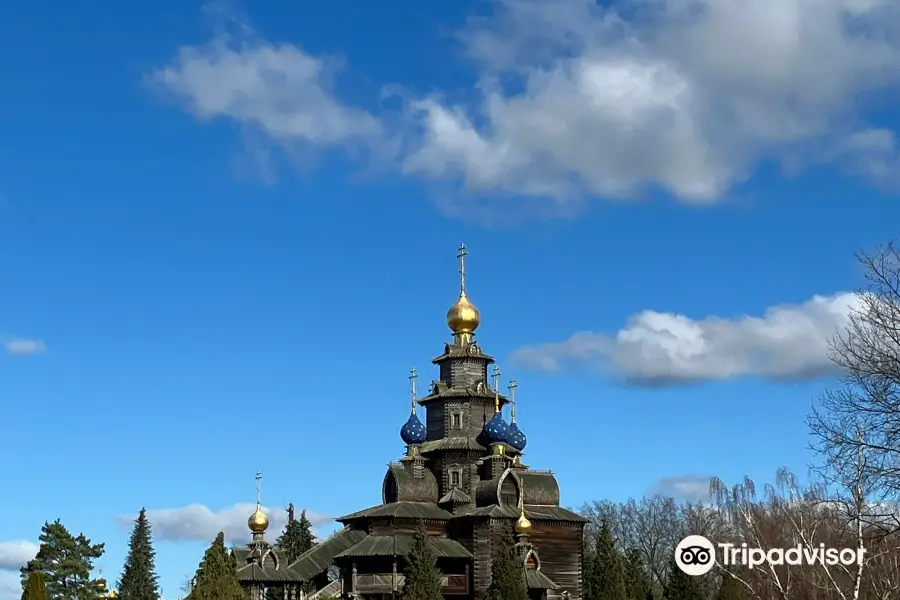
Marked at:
<point>423,580</point>
<point>216,578</point>
<point>139,580</point>
<point>507,572</point>
<point>35,589</point>
<point>607,576</point>
<point>65,563</point>
<point>297,537</point>
<point>681,586</point>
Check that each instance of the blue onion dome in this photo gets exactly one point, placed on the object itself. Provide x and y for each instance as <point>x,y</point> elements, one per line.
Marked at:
<point>516,438</point>
<point>413,432</point>
<point>496,430</point>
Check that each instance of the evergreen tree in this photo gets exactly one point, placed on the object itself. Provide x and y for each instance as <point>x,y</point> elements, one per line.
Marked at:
<point>637,578</point>
<point>507,572</point>
<point>297,537</point>
<point>216,578</point>
<point>35,588</point>
<point>731,589</point>
<point>681,586</point>
<point>608,577</point>
<point>423,580</point>
<point>65,563</point>
<point>139,580</point>
<point>588,574</point>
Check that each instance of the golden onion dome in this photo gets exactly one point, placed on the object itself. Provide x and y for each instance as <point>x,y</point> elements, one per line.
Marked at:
<point>112,594</point>
<point>463,317</point>
<point>101,584</point>
<point>523,525</point>
<point>258,521</point>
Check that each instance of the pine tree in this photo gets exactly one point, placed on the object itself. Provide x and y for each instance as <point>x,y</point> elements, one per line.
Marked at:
<point>139,580</point>
<point>65,562</point>
<point>297,537</point>
<point>507,572</point>
<point>35,589</point>
<point>216,578</point>
<point>423,580</point>
<point>637,579</point>
<point>608,574</point>
<point>588,574</point>
<point>730,589</point>
<point>681,586</point>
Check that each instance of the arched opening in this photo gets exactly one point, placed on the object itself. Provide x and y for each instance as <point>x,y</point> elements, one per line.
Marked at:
<point>532,561</point>
<point>509,490</point>
<point>389,489</point>
<point>270,561</point>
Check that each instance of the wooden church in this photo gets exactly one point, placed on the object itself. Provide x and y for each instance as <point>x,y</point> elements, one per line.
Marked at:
<point>463,475</point>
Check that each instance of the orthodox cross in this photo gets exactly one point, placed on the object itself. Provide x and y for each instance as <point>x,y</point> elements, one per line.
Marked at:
<point>413,375</point>
<point>496,375</point>
<point>512,398</point>
<point>462,267</point>
<point>258,486</point>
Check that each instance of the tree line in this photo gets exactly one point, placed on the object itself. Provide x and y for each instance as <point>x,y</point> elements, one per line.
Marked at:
<point>849,500</point>
<point>63,567</point>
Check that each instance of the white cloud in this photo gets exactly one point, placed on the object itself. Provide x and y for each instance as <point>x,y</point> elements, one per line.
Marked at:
<point>196,522</point>
<point>15,553</point>
<point>10,586</point>
<point>684,95</point>
<point>574,99</point>
<point>23,347</point>
<point>693,488</point>
<point>789,341</point>
<point>277,88</point>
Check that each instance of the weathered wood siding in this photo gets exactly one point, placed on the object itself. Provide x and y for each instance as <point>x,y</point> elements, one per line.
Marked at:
<point>407,526</point>
<point>559,546</point>
<point>434,420</point>
<point>464,372</point>
<point>481,564</point>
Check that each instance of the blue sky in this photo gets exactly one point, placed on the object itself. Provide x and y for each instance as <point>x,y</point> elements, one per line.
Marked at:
<point>229,231</point>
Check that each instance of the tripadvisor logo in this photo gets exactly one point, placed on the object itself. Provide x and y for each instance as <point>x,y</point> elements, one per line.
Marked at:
<point>695,555</point>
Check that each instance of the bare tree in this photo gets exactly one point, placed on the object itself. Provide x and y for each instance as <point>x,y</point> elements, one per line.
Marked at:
<point>863,413</point>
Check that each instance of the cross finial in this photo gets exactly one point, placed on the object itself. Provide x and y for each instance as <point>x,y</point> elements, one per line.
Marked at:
<point>512,399</point>
<point>496,376</point>
<point>413,376</point>
<point>462,267</point>
<point>258,487</point>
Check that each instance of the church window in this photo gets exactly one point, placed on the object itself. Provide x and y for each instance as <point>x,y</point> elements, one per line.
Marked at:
<point>456,419</point>
<point>455,477</point>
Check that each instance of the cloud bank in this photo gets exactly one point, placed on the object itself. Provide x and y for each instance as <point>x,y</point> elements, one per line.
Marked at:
<point>196,522</point>
<point>23,346</point>
<point>788,341</point>
<point>575,99</point>
<point>15,553</point>
<point>692,488</point>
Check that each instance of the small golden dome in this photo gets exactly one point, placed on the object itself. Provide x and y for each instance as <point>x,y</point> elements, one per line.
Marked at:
<point>258,521</point>
<point>463,317</point>
<point>523,525</point>
<point>101,584</point>
<point>112,594</point>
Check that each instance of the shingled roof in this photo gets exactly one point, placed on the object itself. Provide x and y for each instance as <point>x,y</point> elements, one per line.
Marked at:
<point>319,557</point>
<point>534,513</point>
<point>400,544</point>
<point>400,510</point>
<point>535,580</point>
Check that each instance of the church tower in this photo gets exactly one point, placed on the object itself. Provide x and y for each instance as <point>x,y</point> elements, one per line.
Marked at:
<point>463,476</point>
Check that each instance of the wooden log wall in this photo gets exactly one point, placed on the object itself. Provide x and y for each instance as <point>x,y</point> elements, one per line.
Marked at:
<point>403,526</point>
<point>560,546</point>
